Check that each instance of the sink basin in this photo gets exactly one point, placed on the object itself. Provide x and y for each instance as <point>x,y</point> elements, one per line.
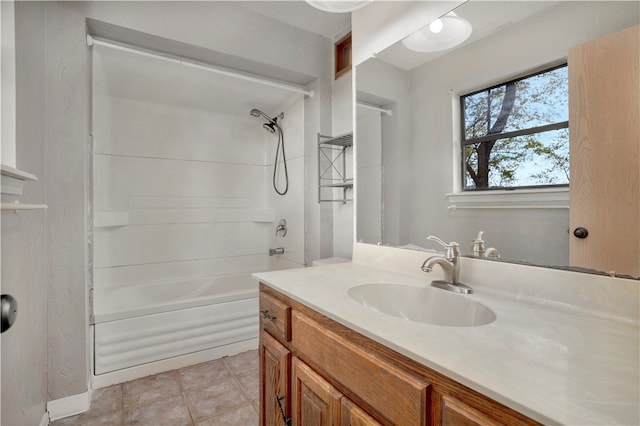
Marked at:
<point>423,304</point>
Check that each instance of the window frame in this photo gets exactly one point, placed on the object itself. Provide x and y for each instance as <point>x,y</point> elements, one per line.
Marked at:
<point>528,131</point>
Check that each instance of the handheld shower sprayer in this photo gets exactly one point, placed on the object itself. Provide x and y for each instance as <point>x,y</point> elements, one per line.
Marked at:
<point>271,126</point>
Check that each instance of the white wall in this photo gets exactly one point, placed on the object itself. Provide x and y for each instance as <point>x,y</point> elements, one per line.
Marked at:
<point>24,238</point>
<point>67,181</point>
<point>8,84</point>
<point>343,220</point>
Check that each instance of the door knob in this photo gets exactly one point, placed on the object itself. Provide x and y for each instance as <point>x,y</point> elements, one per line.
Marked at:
<point>8,311</point>
<point>580,232</point>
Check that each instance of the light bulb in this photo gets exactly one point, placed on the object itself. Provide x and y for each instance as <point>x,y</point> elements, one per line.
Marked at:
<point>436,26</point>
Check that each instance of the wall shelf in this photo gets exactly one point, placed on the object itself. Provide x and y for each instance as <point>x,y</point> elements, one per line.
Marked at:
<point>332,172</point>
<point>15,206</point>
<point>110,219</point>
<point>13,180</point>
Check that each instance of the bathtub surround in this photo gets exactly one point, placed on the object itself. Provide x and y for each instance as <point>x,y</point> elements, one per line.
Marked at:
<point>182,188</point>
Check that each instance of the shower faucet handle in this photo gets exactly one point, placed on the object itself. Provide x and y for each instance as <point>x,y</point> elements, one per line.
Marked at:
<point>282,228</point>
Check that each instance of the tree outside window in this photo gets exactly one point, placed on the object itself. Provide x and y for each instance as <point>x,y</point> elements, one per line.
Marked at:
<point>516,134</point>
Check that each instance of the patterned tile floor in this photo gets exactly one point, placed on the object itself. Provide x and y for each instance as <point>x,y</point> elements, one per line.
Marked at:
<point>222,392</point>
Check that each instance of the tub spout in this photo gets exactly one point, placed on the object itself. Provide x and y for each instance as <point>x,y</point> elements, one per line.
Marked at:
<point>278,250</point>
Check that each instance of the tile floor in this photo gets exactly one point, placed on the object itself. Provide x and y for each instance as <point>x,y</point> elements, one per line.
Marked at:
<point>222,392</point>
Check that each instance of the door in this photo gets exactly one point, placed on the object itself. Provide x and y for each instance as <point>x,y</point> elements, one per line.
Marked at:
<point>275,367</point>
<point>315,402</point>
<point>352,415</point>
<point>604,85</point>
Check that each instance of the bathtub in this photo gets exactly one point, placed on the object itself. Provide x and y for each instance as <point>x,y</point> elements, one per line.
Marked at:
<point>146,328</point>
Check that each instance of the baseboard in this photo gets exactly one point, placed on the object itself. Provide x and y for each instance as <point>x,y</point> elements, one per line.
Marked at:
<point>69,406</point>
<point>44,421</point>
<point>132,373</point>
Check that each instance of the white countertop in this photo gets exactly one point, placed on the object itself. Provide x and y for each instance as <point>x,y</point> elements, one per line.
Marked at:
<point>552,363</point>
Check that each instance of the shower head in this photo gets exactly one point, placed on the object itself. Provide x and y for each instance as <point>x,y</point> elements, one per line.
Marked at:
<point>272,122</point>
<point>271,127</point>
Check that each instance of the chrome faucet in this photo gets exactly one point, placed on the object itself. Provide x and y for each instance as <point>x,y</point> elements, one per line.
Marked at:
<point>478,249</point>
<point>282,228</point>
<point>277,250</point>
<point>449,264</point>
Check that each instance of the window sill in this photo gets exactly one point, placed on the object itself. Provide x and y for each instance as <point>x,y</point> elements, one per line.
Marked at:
<point>535,198</point>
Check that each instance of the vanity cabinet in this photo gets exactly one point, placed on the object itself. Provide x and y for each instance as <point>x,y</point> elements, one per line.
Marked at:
<point>315,371</point>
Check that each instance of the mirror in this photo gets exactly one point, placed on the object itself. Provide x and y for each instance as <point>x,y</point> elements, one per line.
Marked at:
<point>407,131</point>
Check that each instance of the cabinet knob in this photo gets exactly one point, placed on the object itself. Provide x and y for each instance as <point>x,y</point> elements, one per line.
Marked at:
<point>268,315</point>
<point>580,232</point>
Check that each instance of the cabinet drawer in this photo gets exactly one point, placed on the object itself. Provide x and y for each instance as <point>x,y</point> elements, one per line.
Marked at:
<point>275,317</point>
<point>396,395</point>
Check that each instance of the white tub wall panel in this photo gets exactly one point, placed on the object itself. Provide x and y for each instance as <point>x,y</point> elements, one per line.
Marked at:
<point>195,202</point>
<point>134,341</point>
<point>196,215</point>
<point>293,129</point>
<point>105,277</point>
<point>146,129</point>
<point>370,204</point>
<point>369,138</point>
<point>291,208</point>
<point>291,205</point>
<point>134,245</point>
<point>278,263</point>
<point>118,178</point>
<point>153,202</point>
<point>153,216</point>
<point>101,118</point>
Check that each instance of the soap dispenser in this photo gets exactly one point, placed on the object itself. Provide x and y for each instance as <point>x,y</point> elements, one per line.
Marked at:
<point>478,246</point>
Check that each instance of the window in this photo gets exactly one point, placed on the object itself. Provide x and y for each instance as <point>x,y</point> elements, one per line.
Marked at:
<point>343,55</point>
<point>516,134</point>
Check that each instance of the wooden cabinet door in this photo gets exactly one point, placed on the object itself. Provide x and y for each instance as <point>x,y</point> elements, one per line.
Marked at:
<point>275,369</point>
<point>352,415</point>
<point>315,402</point>
<point>604,117</point>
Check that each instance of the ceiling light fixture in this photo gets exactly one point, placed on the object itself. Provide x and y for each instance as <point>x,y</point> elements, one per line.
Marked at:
<point>338,6</point>
<point>441,34</point>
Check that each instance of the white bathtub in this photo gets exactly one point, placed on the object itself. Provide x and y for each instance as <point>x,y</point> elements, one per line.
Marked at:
<point>146,323</point>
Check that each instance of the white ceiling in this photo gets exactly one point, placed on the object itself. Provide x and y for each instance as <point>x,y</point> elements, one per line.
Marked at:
<point>299,14</point>
<point>486,17</point>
